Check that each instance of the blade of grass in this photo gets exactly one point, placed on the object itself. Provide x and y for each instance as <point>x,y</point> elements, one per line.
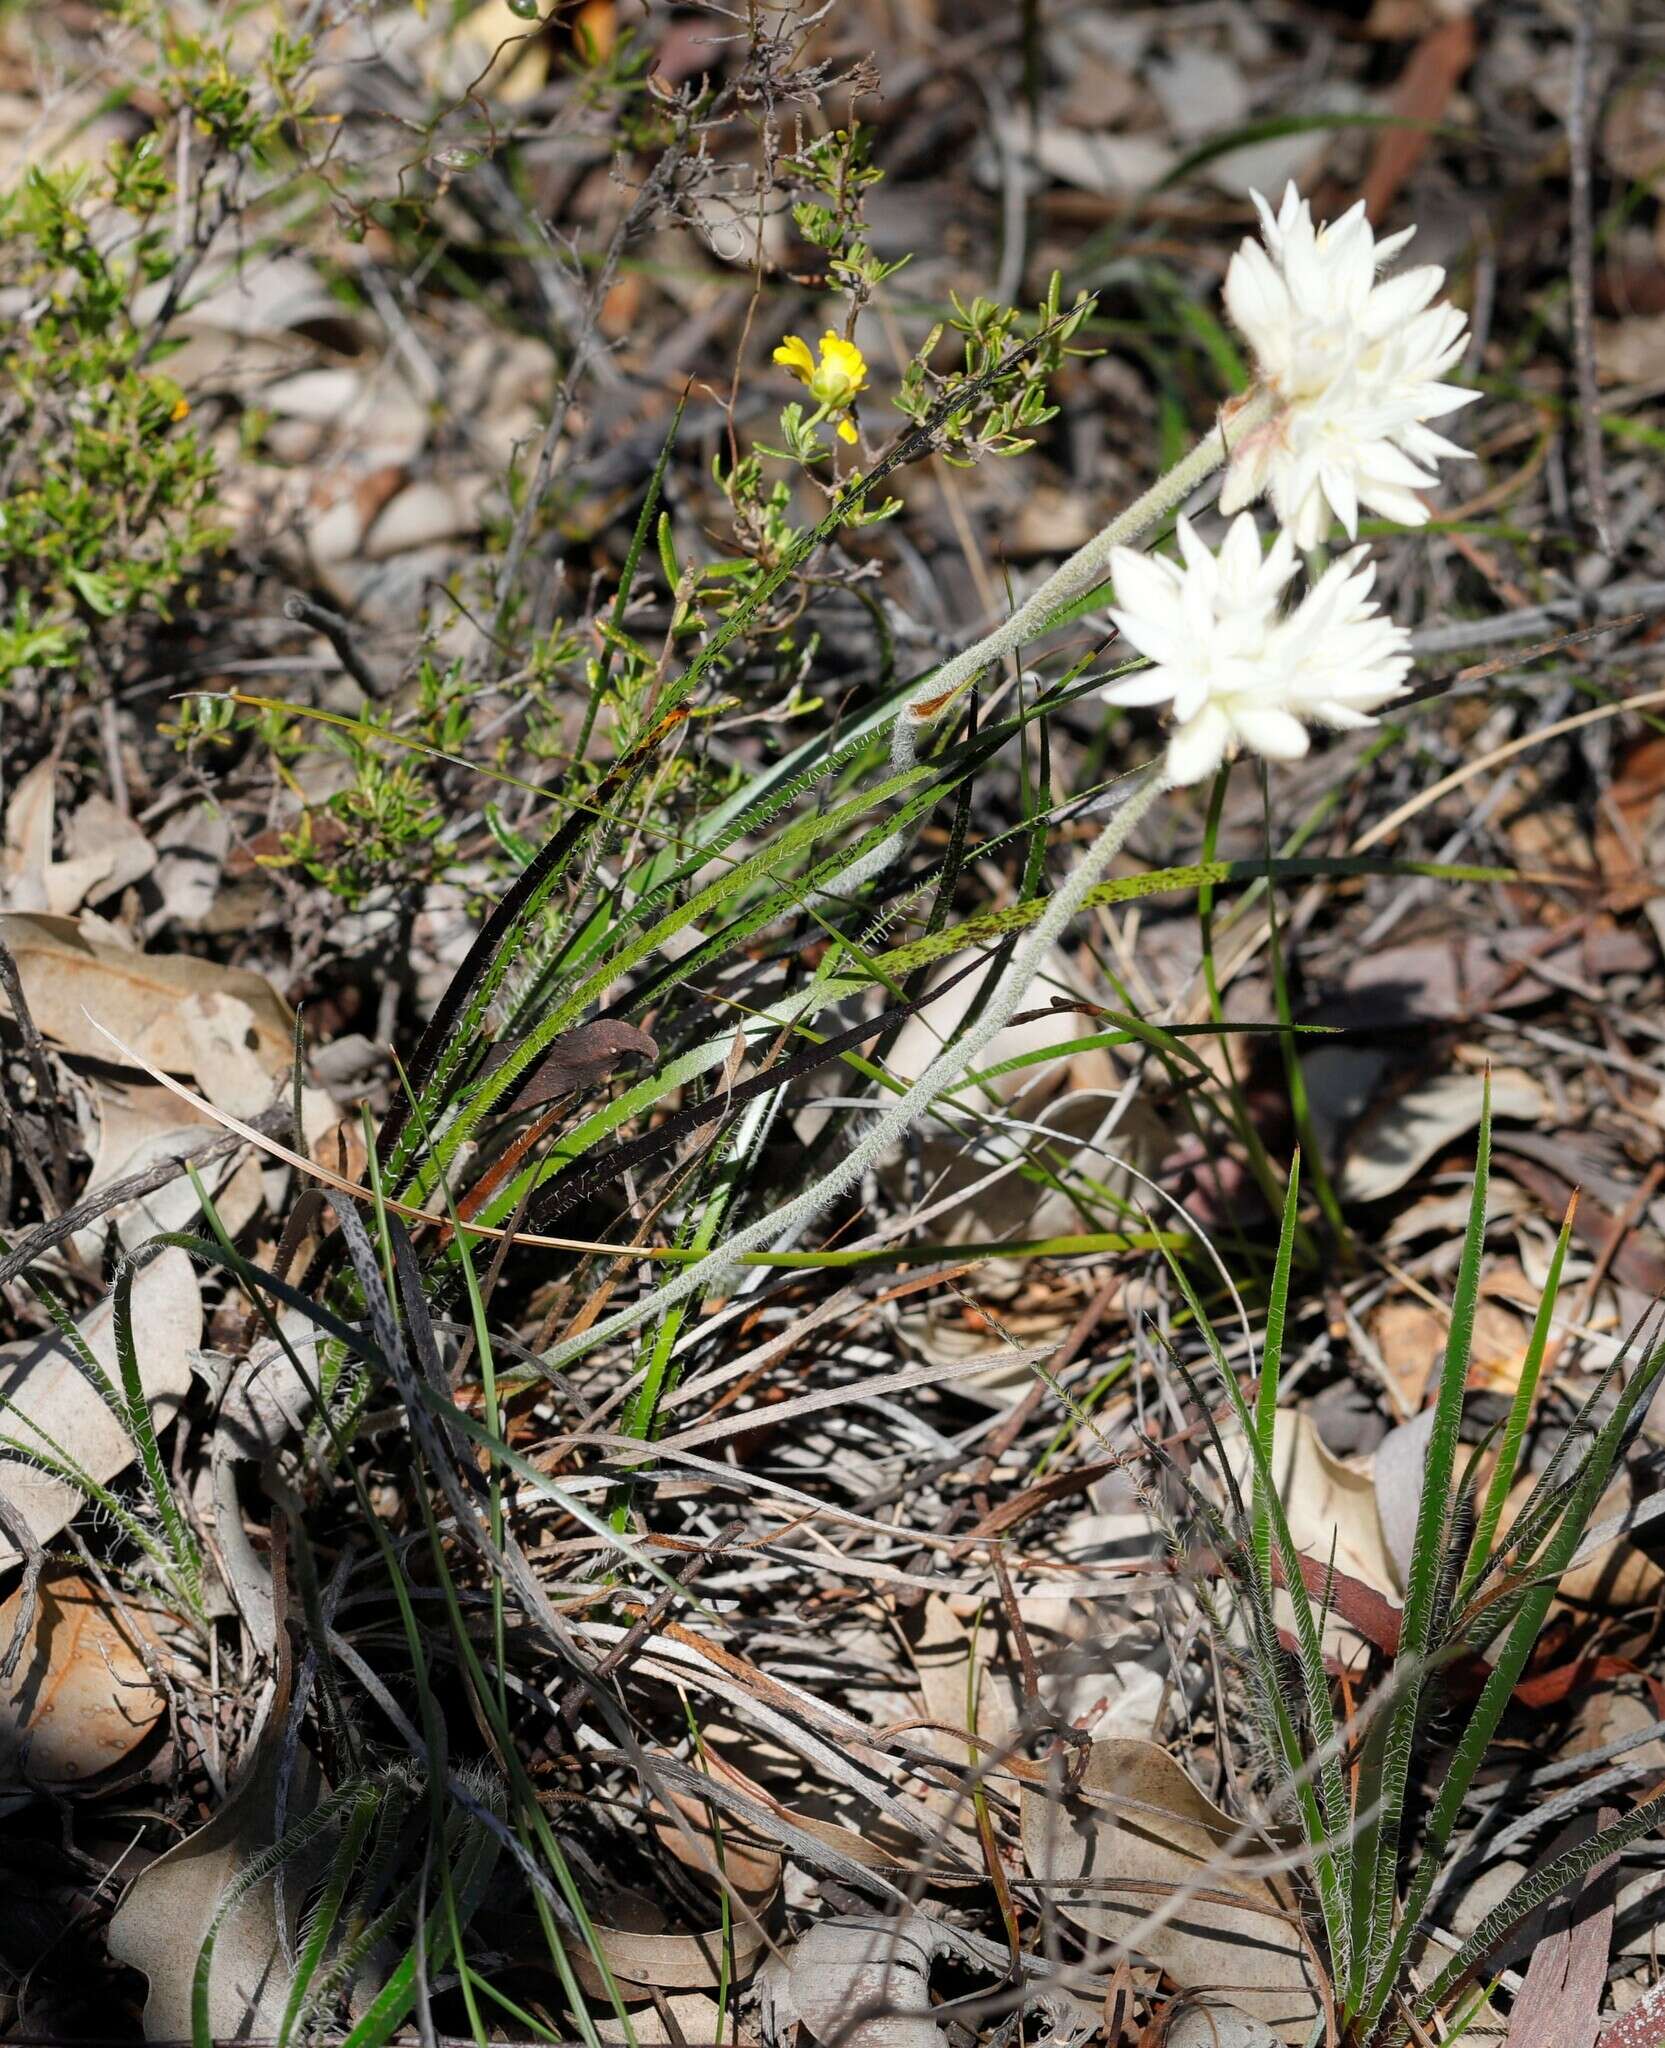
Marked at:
<point>1382,1787</point>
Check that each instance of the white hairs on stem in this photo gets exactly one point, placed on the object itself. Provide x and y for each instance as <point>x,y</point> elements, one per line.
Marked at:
<point>906,1109</point>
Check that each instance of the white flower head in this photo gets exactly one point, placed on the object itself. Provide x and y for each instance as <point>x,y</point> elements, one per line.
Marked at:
<point>1353,364</point>
<point>1238,669</point>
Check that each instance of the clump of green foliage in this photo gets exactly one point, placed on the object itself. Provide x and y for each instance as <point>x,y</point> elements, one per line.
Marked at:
<point>108,503</point>
<point>1475,1592</point>
<point>108,494</point>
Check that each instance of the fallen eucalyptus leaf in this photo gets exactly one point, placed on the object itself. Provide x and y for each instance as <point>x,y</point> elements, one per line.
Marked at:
<point>1332,1510</point>
<point>642,1953</point>
<point>872,1964</point>
<point>1399,1139</point>
<point>79,1699</point>
<point>139,1126</point>
<point>106,850</point>
<point>1216,2026</point>
<point>149,1001</point>
<point>1139,1856</point>
<point>161,1924</point>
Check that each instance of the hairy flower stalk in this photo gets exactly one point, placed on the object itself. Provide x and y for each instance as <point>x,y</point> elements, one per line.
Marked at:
<point>906,1109</point>
<point>1088,566</point>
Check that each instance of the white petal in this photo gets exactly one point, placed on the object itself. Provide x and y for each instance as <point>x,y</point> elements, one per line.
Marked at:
<point>1198,748</point>
<point>1397,301</point>
<point>1199,563</point>
<point>1144,586</point>
<point>1344,500</point>
<point>1256,297</point>
<point>1168,644</point>
<point>1279,735</point>
<point>1152,686</point>
<point>1404,507</point>
<point>1423,445</point>
<point>1240,555</point>
<point>1390,245</point>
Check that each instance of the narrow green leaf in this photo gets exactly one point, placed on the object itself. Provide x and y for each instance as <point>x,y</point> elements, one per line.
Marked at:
<point>1520,1410</point>
<point>1271,1367</point>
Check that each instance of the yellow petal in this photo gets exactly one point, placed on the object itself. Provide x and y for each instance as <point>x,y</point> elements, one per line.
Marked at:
<point>844,361</point>
<point>846,430</point>
<point>794,354</point>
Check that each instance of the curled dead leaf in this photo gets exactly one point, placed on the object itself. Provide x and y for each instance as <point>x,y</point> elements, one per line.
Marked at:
<point>1398,1140</point>
<point>50,1407</point>
<point>643,1953</point>
<point>161,1924</point>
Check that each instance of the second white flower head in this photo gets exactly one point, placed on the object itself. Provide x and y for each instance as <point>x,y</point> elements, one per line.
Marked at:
<point>1353,365</point>
<point>1238,669</point>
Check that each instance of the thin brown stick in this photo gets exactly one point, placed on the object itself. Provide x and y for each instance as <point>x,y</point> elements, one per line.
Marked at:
<point>1580,118</point>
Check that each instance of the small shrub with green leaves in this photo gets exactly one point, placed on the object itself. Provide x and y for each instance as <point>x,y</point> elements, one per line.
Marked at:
<point>108,503</point>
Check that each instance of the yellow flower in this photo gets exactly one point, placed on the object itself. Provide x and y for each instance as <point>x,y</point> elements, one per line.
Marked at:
<point>835,381</point>
<point>181,410</point>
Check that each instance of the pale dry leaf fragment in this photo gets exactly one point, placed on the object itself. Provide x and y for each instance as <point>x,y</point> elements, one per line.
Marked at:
<point>105,852</point>
<point>79,1699</point>
<point>228,1056</point>
<point>1332,1510</point>
<point>1139,1857</point>
<point>160,1925</point>
<point>1396,1476</point>
<point>73,984</point>
<point>495,51</point>
<point>644,1955</point>
<point>865,1982</point>
<point>423,514</point>
<point>688,2016</point>
<point>270,1395</point>
<point>191,851</point>
<point>49,1401</point>
<point>1617,1574</point>
<point>1212,2025</point>
<point>139,1126</point>
<point>630,1931</point>
<point>28,849</point>
<point>1400,1139</point>
<point>1091,163</point>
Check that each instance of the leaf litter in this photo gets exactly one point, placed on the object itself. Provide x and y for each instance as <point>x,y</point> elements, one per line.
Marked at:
<point>861,1651</point>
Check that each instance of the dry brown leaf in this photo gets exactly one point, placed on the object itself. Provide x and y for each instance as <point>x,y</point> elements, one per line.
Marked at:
<point>1398,1140</point>
<point>1216,2026</point>
<point>1620,1574</point>
<point>866,1963</point>
<point>495,41</point>
<point>160,1005</point>
<point>50,1403</point>
<point>106,850</point>
<point>1139,1844</point>
<point>159,1927</point>
<point>1328,1501</point>
<point>79,1699</point>
<point>140,1125</point>
<point>687,2016</point>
